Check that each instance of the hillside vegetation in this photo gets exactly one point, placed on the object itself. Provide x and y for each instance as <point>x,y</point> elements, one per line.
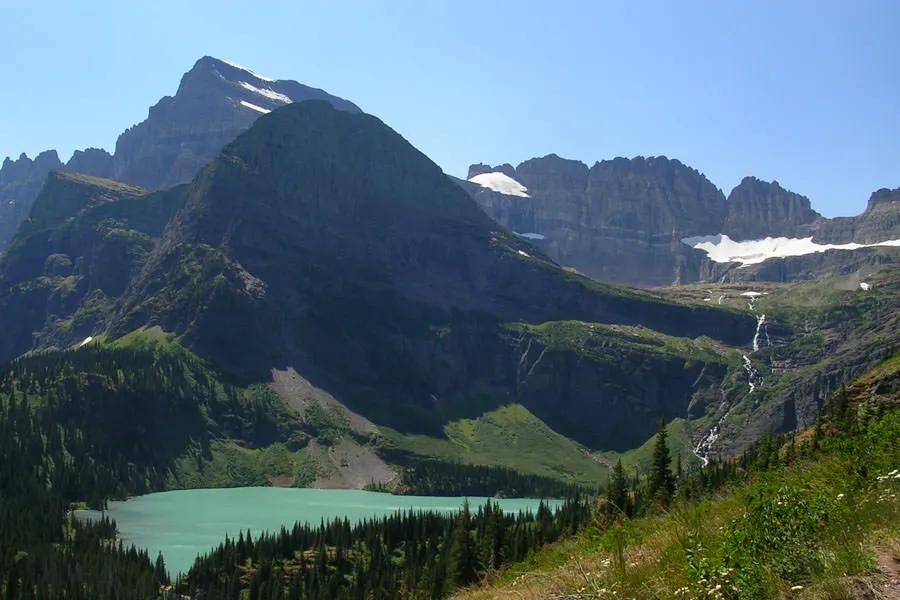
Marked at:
<point>815,515</point>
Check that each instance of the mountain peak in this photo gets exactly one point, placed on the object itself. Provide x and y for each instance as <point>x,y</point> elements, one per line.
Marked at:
<point>227,66</point>
<point>216,101</point>
<point>883,196</point>
<point>758,208</point>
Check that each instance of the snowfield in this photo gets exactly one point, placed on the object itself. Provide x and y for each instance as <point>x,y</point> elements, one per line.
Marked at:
<point>722,249</point>
<point>243,68</point>
<point>266,93</point>
<point>500,182</point>
<point>255,107</point>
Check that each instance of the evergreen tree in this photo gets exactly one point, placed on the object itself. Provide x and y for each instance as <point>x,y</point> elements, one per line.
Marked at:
<point>662,484</point>
<point>160,568</point>
<point>617,492</point>
<point>462,565</point>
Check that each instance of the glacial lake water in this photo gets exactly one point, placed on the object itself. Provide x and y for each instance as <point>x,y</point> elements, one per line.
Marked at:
<point>182,524</point>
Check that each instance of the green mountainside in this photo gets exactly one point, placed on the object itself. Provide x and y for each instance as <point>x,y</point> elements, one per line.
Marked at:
<point>323,258</point>
<point>321,243</point>
<point>811,515</point>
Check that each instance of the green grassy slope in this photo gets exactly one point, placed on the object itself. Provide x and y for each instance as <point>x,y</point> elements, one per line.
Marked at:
<point>511,437</point>
<point>823,523</point>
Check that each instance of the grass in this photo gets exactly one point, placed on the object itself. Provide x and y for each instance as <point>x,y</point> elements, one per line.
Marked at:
<point>813,529</point>
<point>810,526</point>
<point>229,465</point>
<point>511,437</point>
<point>679,441</point>
<point>594,339</point>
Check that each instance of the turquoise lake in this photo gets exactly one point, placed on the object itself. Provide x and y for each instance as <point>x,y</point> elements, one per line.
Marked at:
<point>184,523</point>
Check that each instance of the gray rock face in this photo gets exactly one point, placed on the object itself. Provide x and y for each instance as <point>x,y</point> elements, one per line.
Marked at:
<point>879,222</point>
<point>91,161</point>
<point>215,102</point>
<point>621,220</point>
<point>758,209</point>
<point>20,182</point>
<point>803,268</point>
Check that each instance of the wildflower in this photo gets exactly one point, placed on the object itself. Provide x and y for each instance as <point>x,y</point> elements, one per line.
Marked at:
<point>839,496</point>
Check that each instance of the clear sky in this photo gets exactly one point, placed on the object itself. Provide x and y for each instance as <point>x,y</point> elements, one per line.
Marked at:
<point>805,92</point>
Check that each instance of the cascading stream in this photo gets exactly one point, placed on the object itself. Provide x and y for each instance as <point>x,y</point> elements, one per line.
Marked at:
<point>704,446</point>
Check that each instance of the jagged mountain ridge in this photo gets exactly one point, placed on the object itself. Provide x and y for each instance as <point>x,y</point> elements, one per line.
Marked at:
<point>624,220</point>
<point>20,182</point>
<point>215,101</point>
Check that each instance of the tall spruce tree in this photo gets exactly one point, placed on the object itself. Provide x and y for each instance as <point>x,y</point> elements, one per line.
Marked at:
<point>463,557</point>
<point>617,493</point>
<point>662,483</point>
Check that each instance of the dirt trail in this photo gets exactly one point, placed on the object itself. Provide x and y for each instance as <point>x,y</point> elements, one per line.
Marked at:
<point>888,562</point>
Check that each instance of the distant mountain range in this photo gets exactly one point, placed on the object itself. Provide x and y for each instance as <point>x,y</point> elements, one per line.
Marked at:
<point>622,220</point>
<point>309,248</point>
<point>215,102</point>
<point>636,221</point>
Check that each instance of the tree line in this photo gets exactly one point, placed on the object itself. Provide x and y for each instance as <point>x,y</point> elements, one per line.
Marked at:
<point>411,554</point>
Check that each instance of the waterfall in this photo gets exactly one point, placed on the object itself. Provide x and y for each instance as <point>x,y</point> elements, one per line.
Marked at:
<point>760,321</point>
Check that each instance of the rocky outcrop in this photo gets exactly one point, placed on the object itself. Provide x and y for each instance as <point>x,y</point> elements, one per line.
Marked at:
<point>91,161</point>
<point>20,182</point>
<point>803,268</point>
<point>879,222</point>
<point>758,209</point>
<point>73,257</point>
<point>624,220</point>
<point>621,220</point>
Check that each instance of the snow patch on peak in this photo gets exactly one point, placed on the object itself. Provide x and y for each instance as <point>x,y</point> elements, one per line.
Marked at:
<point>501,182</point>
<point>243,68</point>
<point>266,93</point>
<point>722,249</point>
<point>258,109</point>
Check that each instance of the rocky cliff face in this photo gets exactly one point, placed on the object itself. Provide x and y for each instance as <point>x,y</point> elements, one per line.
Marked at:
<point>758,209</point>
<point>624,220</point>
<point>91,161</point>
<point>214,103</point>
<point>20,182</point>
<point>880,221</point>
<point>621,220</point>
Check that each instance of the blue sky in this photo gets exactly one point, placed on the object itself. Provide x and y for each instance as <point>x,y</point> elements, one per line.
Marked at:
<point>804,92</point>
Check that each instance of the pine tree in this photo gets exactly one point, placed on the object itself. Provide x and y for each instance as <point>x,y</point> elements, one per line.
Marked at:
<point>617,492</point>
<point>161,574</point>
<point>462,565</point>
<point>662,484</point>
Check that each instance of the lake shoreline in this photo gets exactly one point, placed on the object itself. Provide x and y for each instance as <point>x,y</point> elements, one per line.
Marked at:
<point>183,524</point>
